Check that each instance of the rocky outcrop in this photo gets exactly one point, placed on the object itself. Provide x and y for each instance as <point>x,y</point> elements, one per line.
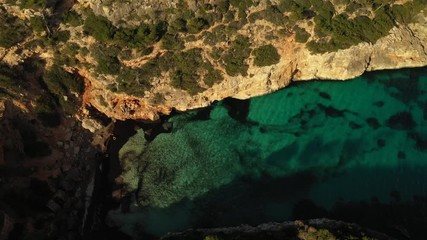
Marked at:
<point>305,230</point>
<point>404,47</point>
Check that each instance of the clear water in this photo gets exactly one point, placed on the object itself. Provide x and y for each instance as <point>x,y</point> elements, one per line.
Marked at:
<point>352,150</point>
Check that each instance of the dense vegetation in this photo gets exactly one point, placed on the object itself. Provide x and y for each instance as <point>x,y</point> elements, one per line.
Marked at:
<point>34,4</point>
<point>187,68</point>
<point>235,57</point>
<point>301,35</point>
<point>344,31</point>
<point>12,29</point>
<point>185,74</point>
<point>266,55</point>
<point>63,85</point>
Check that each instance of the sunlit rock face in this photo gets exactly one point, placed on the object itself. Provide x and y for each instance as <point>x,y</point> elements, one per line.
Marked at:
<point>402,46</point>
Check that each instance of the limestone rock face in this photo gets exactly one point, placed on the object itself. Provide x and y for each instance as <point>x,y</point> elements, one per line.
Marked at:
<point>404,47</point>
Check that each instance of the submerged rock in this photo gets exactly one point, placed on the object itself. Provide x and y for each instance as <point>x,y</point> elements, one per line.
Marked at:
<point>401,121</point>
<point>183,164</point>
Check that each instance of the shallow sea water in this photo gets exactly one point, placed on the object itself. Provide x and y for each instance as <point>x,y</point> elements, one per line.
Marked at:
<point>353,150</point>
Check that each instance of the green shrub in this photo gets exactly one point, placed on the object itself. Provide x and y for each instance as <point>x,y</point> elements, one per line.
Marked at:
<point>61,36</point>
<point>266,55</point>
<point>406,13</point>
<point>301,35</point>
<point>178,25</point>
<point>211,17</point>
<point>106,58</point>
<point>37,24</point>
<point>133,81</point>
<point>12,30</point>
<point>242,5</point>
<point>195,25</point>
<point>99,27</point>
<point>148,34</point>
<point>271,14</point>
<point>229,16</point>
<point>353,7</point>
<point>172,42</point>
<point>140,37</point>
<point>72,18</point>
<point>186,81</point>
<point>217,53</point>
<point>185,75</point>
<point>61,83</point>
<point>158,99</point>
<point>84,51</point>
<point>236,55</point>
<point>34,4</point>
<point>222,6</point>
<point>213,76</point>
<point>345,32</point>
<point>217,35</point>
<point>66,54</point>
<point>124,36</point>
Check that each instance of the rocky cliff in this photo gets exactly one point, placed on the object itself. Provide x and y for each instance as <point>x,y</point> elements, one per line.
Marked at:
<point>403,46</point>
<point>142,59</point>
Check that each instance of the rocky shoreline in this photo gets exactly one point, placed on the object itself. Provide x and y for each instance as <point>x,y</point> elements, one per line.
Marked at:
<point>306,230</point>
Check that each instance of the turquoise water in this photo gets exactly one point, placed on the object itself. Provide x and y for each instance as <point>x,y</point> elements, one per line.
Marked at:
<point>315,149</point>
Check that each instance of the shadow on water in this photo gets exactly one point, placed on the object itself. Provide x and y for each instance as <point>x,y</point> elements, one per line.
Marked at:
<point>394,209</point>
<point>237,109</point>
<point>109,170</point>
<point>247,200</point>
<point>403,84</point>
